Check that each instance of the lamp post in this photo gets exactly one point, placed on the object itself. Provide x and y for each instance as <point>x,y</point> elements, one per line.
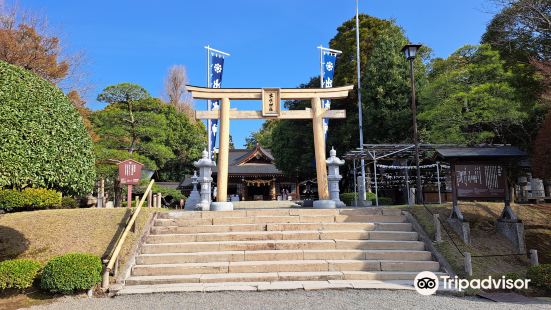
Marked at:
<point>410,51</point>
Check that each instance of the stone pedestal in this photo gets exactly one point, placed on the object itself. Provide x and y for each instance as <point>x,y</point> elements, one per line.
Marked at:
<point>512,228</point>
<point>361,191</point>
<point>194,197</point>
<point>205,165</point>
<point>221,206</point>
<point>334,177</point>
<point>324,204</point>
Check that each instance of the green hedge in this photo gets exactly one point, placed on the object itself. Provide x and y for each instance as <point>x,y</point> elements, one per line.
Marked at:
<point>34,198</point>
<point>540,276</point>
<point>71,272</point>
<point>43,141</point>
<point>18,273</point>
<point>69,203</point>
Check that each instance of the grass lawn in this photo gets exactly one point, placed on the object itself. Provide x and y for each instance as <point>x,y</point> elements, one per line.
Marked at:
<point>486,240</point>
<point>44,234</point>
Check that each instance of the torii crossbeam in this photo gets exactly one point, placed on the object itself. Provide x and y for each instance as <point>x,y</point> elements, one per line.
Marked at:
<point>271,109</point>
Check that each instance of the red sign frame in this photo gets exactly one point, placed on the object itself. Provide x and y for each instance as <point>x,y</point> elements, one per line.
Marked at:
<point>130,172</point>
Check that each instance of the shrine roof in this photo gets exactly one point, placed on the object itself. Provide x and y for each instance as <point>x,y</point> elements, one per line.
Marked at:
<point>484,151</point>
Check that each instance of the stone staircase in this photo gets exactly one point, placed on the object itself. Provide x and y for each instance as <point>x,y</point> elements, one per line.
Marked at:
<point>263,248</point>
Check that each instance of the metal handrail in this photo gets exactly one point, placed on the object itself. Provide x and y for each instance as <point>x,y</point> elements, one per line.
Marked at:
<point>114,256</point>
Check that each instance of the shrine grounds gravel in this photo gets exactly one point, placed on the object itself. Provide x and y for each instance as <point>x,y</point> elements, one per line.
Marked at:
<point>318,300</point>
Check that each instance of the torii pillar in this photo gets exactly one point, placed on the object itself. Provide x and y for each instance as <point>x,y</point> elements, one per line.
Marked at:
<point>271,109</point>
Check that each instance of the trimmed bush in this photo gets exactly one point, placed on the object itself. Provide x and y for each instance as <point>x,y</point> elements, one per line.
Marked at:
<point>540,276</point>
<point>43,141</point>
<point>18,273</point>
<point>348,198</point>
<point>32,198</point>
<point>384,201</point>
<point>69,203</point>
<point>71,272</point>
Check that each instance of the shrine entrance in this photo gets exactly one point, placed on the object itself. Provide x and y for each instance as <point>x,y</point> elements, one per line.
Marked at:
<point>271,109</point>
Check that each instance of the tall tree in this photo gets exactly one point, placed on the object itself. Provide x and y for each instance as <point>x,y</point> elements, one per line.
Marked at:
<point>28,42</point>
<point>126,93</point>
<point>470,99</point>
<point>175,90</point>
<point>168,139</point>
<point>541,161</point>
<point>263,136</point>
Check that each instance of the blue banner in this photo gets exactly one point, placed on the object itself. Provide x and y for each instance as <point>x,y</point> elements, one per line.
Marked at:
<point>216,70</point>
<point>328,65</point>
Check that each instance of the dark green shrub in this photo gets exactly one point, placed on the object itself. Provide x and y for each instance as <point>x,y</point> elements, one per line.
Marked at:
<point>69,203</point>
<point>540,276</point>
<point>71,272</point>
<point>43,141</point>
<point>384,201</point>
<point>348,198</point>
<point>18,273</point>
<point>32,198</point>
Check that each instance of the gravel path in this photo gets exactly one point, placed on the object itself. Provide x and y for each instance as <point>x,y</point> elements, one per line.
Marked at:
<point>318,300</point>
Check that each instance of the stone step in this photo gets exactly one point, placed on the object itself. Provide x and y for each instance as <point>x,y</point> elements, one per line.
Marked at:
<point>273,255</point>
<point>271,277</point>
<point>283,266</point>
<point>280,227</point>
<point>190,247</point>
<point>283,235</point>
<point>278,212</point>
<point>282,219</point>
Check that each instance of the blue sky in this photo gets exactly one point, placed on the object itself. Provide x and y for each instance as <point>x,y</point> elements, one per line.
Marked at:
<point>272,42</point>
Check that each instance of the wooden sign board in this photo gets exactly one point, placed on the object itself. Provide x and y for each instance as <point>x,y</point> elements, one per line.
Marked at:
<point>480,181</point>
<point>130,172</point>
<point>271,102</point>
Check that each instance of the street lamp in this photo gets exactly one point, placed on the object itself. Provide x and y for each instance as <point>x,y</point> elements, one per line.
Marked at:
<point>410,51</point>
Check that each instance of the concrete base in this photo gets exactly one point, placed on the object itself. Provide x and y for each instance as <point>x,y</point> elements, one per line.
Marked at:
<point>462,228</point>
<point>221,206</point>
<point>340,204</point>
<point>325,204</point>
<point>514,231</point>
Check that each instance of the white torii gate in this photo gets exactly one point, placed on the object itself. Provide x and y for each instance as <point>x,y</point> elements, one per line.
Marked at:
<point>271,109</point>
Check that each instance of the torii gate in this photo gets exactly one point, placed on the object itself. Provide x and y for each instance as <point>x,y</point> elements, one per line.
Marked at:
<point>271,109</point>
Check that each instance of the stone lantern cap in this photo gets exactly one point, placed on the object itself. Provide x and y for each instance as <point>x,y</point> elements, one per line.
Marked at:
<point>333,159</point>
<point>204,161</point>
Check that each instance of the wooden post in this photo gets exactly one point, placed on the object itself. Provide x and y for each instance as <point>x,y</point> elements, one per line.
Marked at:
<point>150,199</point>
<point>101,193</point>
<point>437,229</point>
<point>468,264</point>
<point>137,199</point>
<point>159,202</point>
<point>534,257</point>
<point>224,126</point>
<point>129,196</point>
<point>319,148</point>
<point>154,201</point>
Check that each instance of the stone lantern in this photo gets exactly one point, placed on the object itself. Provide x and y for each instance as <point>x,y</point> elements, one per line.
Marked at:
<point>194,197</point>
<point>205,165</point>
<point>333,177</point>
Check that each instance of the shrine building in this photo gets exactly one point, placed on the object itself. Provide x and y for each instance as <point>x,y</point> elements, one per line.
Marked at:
<point>252,175</point>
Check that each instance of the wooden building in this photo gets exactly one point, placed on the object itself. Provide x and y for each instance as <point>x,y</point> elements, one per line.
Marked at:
<point>252,175</point>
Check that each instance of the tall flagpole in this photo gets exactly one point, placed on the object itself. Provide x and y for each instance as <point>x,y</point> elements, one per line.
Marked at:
<point>209,121</point>
<point>360,116</point>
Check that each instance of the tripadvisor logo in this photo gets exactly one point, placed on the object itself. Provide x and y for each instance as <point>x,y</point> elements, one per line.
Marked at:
<point>426,283</point>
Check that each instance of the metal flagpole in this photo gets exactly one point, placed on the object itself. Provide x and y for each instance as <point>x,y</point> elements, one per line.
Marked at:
<point>438,178</point>
<point>355,186</point>
<point>209,122</point>
<point>360,117</point>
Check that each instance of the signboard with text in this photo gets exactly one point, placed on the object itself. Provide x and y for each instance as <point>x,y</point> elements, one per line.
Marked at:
<point>130,172</point>
<point>480,181</point>
<point>270,102</point>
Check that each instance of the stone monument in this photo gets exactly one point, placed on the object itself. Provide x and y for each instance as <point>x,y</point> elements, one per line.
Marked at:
<point>205,165</point>
<point>194,197</point>
<point>334,177</point>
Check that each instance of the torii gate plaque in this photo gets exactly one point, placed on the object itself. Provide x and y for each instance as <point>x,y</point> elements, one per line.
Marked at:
<point>271,109</point>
